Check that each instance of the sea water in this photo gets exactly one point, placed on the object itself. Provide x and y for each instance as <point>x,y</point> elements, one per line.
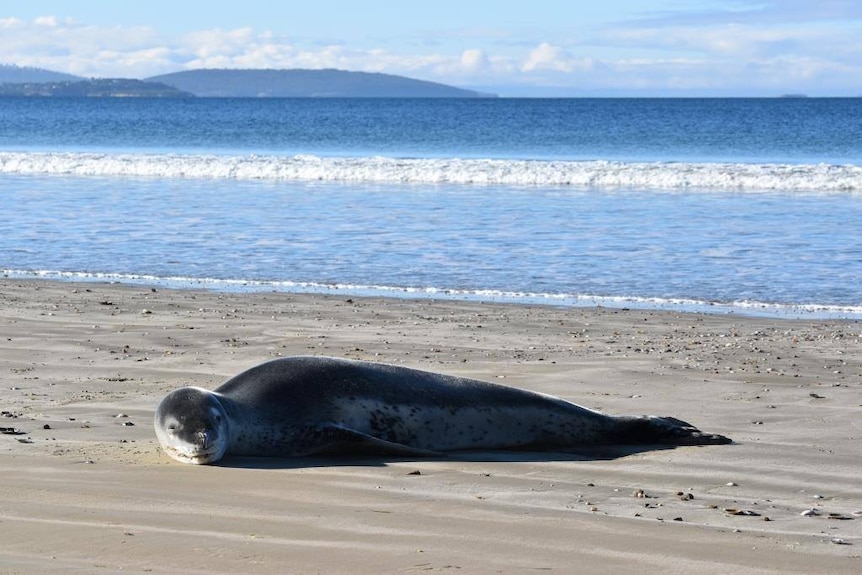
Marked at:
<point>725,205</point>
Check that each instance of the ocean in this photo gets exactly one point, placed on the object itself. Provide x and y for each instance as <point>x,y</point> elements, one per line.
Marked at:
<point>746,206</point>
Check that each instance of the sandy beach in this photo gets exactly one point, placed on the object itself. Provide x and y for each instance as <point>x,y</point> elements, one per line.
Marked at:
<point>86,489</point>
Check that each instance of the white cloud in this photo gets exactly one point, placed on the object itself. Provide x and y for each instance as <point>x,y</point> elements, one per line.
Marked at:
<point>69,46</point>
<point>725,40</point>
<point>216,42</point>
<point>47,21</point>
<point>547,57</point>
<point>10,23</point>
<point>474,61</point>
<point>642,55</point>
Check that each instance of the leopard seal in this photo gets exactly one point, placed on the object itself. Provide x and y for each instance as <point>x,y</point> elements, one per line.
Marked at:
<point>306,405</point>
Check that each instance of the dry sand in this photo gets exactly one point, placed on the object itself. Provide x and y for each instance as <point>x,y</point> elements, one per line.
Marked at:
<point>84,490</point>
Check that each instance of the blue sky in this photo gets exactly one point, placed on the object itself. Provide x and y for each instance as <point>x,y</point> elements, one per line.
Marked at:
<point>515,48</point>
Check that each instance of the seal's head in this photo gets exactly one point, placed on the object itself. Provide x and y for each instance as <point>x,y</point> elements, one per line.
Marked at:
<point>192,426</point>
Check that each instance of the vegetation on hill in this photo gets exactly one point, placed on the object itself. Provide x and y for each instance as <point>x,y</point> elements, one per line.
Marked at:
<point>104,88</point>
<point>308,84</point>
<point>297,83</point>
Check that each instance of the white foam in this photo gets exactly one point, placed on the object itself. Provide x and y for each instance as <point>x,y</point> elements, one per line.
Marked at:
<point>821,178</point>
<point>754,308</point>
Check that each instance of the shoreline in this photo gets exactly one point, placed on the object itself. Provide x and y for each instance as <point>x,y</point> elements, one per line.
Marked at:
<point>490,297</point>
<point>88,491</point>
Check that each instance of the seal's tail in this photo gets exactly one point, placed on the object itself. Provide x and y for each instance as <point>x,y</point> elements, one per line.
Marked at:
<point>652,430</point>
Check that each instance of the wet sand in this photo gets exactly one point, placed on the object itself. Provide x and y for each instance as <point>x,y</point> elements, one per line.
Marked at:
<point>85,487</point>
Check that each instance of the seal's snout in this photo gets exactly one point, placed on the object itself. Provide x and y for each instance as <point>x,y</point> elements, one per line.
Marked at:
<point>716,439</point>
<point>673,431</point>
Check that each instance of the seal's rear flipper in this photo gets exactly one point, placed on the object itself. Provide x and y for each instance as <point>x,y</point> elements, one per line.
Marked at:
<point>332,438</point>
<point>667,431</point>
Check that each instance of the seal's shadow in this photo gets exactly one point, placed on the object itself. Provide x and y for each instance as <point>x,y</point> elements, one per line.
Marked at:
<point>604,453</point>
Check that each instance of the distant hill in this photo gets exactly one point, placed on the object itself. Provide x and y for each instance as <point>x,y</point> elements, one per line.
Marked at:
<point>11,74</point>
<point>95,88</point>
<point>308,84</point>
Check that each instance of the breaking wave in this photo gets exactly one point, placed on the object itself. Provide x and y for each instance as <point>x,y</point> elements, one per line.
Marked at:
<point>822,178</point>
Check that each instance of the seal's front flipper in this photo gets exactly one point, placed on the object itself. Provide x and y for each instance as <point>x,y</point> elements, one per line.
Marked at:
<point>332,438</point>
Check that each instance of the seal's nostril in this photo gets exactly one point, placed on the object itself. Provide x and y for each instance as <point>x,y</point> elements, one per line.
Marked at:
<point>203,439</point>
